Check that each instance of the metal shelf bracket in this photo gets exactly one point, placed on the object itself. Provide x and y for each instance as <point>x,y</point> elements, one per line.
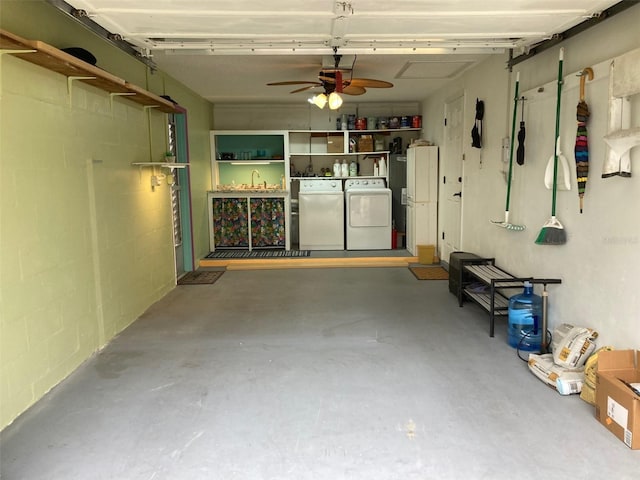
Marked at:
<point>70,81</point>
<point>117,94</point>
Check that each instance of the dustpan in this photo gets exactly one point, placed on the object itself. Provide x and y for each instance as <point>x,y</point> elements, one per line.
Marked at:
<point>564,172</point>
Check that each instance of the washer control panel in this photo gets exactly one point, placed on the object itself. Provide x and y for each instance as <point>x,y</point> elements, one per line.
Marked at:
<point>321,185</point>
<point>364,183</point>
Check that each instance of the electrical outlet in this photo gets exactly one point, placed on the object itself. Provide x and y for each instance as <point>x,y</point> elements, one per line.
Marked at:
<point>505,149</point>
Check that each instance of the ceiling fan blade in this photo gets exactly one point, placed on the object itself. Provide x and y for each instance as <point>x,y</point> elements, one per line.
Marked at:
<point>359,82</point>
<point>351,90</point>
<point>305,88</point>
<point>326,79</point>
<point>369,83</point>
<point>294,82</point>
<point>334,70</point>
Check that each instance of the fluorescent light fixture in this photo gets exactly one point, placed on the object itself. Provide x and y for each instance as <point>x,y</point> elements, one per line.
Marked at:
<point>335,101</point>
<point>319,100</point>
<point>251,163</point>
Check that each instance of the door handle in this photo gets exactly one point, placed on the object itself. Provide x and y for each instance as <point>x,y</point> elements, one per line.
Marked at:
<point>459,194</point>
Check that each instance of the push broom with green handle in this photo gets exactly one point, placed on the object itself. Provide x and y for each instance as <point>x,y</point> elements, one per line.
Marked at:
<point>506,224</point>
<point>552,232</point>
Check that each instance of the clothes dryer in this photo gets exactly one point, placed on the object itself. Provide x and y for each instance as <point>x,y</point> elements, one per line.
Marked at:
<point>368,214</point>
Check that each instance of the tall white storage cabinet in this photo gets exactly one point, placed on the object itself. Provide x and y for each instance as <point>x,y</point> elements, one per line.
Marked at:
<point>422,197</point>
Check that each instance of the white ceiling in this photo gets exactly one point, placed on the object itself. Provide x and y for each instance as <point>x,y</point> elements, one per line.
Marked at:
<point>227,51</point>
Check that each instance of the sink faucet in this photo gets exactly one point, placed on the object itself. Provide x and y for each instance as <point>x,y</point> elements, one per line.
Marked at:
<point>257,173</point>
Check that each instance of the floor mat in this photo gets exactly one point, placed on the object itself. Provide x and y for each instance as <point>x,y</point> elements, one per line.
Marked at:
<point>258,253</point>
<point>200,278</point>
<point>430,273</point>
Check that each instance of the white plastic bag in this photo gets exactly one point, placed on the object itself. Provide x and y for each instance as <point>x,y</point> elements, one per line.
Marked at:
<point>571,346</point>
<point>565,380</point>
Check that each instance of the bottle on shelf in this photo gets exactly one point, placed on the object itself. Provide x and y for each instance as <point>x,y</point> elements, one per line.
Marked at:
<point>337,169</point>
<point>382,167</point>
<point>376,168</point>
<point>353,169</point>
<point>345,168</point>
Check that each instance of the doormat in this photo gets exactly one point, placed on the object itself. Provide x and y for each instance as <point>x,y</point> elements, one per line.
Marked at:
<point>200,278</point>
<point>258,253</point>
<point>430,273</point>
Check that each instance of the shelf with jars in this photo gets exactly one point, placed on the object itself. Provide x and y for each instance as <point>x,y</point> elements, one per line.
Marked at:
<point>347,142</point>
<point>337,165</point>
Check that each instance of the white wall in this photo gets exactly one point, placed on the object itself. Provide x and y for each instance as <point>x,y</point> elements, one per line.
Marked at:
<point>598,264</point>
<point>301,115</point>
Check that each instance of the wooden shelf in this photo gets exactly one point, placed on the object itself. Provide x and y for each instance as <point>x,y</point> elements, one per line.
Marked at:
<point>10,41</point>
<point>51,58</point>
<point>144,97</point>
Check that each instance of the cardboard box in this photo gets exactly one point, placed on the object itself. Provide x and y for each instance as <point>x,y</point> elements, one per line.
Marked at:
<point>365,143</point>
<point>617,405</point>
<point>426,254</point>
<point>335,143</point>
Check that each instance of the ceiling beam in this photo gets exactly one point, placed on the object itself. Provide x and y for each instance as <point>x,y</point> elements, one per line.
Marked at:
<point>82,17</point>
<point>572,32</point>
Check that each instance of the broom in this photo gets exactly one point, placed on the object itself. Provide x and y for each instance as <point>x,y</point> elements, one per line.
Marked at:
<point>506,224</point>
<point>552,232</point>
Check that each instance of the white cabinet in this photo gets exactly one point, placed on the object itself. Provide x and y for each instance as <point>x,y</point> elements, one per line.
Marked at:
<point>422,197</point>
<point>410,236</point>
<point>422,225</point>
<point>422,174</point>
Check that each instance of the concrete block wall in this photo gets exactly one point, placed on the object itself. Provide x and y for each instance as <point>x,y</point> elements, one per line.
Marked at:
<point>86,245</point>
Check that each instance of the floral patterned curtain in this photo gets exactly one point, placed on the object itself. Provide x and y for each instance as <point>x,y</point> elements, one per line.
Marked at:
<point>267,222</point>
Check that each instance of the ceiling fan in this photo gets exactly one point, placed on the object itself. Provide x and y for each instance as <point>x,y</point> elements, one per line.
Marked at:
<point>337,79</point>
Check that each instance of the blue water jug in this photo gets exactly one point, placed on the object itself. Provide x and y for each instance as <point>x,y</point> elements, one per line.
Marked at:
<point>525,320</point>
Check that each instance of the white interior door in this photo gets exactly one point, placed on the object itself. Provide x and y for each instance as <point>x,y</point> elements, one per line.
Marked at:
<point>451,179</point>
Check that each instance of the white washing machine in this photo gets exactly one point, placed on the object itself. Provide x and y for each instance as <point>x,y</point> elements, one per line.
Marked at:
<point>368,214</point>
<point>321,214</point>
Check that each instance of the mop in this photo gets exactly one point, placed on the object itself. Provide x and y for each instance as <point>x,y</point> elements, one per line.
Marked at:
<point>552,232</point>
<point>506,224</point>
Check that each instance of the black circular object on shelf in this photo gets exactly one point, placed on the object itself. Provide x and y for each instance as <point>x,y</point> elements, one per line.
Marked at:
<point>81,54</point>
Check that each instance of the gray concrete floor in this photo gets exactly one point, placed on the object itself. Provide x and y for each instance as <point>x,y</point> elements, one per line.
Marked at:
<point>324,374</point>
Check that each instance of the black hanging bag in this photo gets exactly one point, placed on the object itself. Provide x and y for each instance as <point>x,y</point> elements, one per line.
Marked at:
<point>476,131</point>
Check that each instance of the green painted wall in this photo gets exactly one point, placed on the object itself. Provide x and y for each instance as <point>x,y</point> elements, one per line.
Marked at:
<point>85,244</point>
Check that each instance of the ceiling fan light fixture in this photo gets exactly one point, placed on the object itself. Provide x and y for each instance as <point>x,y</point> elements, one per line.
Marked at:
<point>335,101</point>
<point>319,100</point>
